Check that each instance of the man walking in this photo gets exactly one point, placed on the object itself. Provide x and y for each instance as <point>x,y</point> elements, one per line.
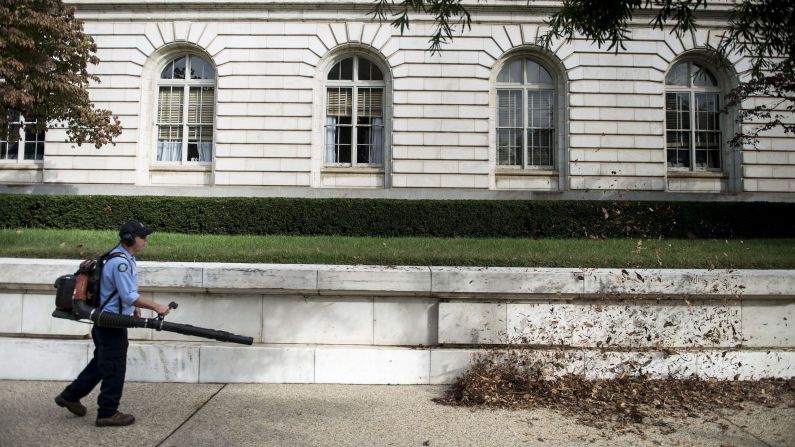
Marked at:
<point>119,294</point>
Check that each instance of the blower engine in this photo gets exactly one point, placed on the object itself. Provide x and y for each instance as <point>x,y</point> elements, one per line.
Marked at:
<point>70,304</point>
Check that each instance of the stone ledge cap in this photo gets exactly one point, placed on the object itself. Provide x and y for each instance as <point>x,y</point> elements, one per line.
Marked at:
<point>440,281</point>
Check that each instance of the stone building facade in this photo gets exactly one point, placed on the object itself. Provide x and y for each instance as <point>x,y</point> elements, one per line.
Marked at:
<point>265,97</point>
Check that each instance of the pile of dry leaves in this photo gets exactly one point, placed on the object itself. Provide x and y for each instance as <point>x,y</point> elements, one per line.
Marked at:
<point>507,382</point>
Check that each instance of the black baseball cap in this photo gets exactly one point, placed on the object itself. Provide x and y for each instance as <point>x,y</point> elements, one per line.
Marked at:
<point>136,228</point>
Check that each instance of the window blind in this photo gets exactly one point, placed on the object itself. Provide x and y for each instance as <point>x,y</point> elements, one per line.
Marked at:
<point>200,133</point>
<point>201,105</point>
<point>539,108</point>
<point>677,111</point>
<point>509,108</point>
<point>169,133</point>
<point>169,110</point>
<point>340,102</point>
<point>370,102</point>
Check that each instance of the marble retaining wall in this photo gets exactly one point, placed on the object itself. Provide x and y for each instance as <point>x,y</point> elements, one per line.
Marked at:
<point>370,324</point>
<point>639,323</point>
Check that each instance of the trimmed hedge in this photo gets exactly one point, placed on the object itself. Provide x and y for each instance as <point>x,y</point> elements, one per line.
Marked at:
<point>380,217</point>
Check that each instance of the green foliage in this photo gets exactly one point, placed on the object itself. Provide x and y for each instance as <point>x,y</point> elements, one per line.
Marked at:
<point>607,21</point>
<point>447,14</point>
<point>401,218</point>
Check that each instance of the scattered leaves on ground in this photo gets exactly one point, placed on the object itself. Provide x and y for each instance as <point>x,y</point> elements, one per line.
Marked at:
<point>622,404</point>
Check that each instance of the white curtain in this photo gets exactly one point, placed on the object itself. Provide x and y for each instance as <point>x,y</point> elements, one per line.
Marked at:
<point>331,134</point>
<point>377,141</point>
<point>169,151</point>
<point>205,151</point>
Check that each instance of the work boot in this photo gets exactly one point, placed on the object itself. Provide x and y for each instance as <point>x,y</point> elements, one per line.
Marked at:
<point>75,407</point>
<point>117,420</point>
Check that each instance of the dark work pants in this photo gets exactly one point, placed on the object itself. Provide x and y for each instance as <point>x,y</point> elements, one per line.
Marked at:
<point>108,366</point>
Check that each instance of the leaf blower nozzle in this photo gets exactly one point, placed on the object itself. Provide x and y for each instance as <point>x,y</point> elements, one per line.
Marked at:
<point>70,303</point>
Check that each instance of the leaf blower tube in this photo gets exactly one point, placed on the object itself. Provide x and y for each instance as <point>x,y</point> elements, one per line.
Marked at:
<point>75,308</point>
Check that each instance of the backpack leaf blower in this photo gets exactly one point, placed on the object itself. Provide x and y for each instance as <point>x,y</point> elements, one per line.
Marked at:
<point>71,304</point>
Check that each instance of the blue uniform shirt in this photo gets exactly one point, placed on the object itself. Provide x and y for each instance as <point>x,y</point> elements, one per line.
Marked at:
<point>119,274</point>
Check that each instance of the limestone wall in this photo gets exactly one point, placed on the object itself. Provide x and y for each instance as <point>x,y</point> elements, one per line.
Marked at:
<point>369,324</point>
<point>440,116</point>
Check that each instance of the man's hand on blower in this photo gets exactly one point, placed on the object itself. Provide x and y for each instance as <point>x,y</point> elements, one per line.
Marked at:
<point>162,309</point>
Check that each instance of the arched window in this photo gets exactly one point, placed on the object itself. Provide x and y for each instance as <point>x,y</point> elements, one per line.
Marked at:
<point>186,110</point>
<point>354,113</point>
<point>692,115</point>
<point>525,123</point>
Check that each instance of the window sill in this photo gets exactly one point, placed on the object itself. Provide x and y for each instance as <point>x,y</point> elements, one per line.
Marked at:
<point>357,170</point>
<point>182,168</point>
<point>696,174</point>
<point>527,172</point>
<point>21,165</point>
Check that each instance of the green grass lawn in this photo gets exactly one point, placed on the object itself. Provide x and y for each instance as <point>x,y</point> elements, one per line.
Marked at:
<point>656,253</point>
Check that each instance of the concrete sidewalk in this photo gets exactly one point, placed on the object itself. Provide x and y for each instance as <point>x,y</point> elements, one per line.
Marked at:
<point>176,414</point>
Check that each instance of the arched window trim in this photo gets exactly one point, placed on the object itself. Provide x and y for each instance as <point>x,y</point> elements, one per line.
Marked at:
<point>186,85</point>
<point>526,88</point>
<point>692,90</point>
<point>355,85</point>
